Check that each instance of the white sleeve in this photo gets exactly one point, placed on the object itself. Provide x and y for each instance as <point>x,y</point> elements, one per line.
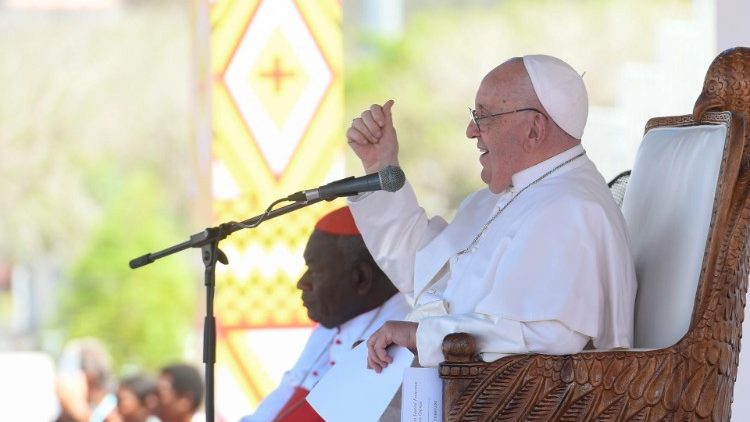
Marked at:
<point>552,338</point>
<point>498,334</point>
<point>394,227</point>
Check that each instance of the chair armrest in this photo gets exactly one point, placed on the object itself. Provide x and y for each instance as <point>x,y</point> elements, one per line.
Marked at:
<point>460,347</point>
<point>681,381</point>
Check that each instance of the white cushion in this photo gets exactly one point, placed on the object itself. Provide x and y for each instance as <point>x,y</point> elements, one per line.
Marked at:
<point>667,207</point>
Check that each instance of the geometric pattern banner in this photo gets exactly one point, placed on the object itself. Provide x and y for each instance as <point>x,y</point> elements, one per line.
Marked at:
<point>277,104</point>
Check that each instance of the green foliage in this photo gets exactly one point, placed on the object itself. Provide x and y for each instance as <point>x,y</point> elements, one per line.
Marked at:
<point>88,95</point>
<point>142,315</point>
<point>97,168</point>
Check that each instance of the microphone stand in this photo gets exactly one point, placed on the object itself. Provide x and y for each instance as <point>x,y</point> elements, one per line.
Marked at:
<point>208,241</point>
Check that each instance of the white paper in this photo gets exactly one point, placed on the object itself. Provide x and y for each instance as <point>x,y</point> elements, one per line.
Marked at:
<point>351,392</point>
<point>422,396</point>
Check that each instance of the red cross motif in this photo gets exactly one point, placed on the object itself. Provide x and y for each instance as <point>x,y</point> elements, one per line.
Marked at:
<point>276,74</point>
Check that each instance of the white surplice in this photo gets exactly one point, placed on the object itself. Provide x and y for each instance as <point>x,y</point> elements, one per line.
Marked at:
<point>552,272</point>
<point>323,348</point>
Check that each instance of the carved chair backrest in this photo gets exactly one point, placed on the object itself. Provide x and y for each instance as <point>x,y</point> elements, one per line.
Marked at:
<point>668,205</point>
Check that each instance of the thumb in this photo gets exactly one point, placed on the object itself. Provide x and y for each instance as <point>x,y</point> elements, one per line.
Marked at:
<point>387,111</point>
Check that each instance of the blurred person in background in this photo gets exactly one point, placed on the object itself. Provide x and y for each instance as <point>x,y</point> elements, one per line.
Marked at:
<point>136,400</point>
<point>179,391</point>
<point>84,382</point>
<point>343,290</point>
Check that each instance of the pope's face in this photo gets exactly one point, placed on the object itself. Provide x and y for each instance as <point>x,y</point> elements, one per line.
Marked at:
<point>329,290</point>
<point>500,138</point>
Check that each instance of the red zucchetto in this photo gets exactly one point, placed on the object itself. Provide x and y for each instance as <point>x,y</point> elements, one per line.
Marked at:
<point>339,222</point>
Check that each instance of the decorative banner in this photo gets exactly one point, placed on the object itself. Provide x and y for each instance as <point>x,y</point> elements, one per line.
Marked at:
<point>277,118</point>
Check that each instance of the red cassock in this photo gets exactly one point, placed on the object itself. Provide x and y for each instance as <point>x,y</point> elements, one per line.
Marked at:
<point>297,409</point>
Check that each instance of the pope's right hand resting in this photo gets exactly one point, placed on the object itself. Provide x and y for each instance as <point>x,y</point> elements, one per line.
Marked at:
<point>400,333</point>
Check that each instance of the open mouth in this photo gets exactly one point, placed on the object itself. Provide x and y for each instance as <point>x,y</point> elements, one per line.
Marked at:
<point>482,151</point>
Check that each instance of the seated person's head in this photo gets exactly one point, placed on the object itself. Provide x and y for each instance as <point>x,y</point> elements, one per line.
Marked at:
<point>528,109</point>
<point>84,379</point>
<point>136,398</point>
<point>95,364</point>
<point>342,279</point>
<point>180,392</point>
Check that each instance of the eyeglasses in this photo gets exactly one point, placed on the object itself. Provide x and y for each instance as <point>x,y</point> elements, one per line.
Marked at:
<point>475,118</point>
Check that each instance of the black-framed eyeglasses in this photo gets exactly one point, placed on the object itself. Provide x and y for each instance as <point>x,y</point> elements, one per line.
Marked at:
<point>475,118</point>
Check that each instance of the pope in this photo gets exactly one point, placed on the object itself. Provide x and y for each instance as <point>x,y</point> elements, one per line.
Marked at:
<point>536,262</point>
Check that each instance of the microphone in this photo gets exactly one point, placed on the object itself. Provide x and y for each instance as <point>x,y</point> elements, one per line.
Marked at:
<point>390,179</point>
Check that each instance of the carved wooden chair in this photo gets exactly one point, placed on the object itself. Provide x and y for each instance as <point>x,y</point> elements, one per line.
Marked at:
<point>687,206</point>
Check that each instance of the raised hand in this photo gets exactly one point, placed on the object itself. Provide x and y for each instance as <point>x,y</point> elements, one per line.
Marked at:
<point>372,137</point>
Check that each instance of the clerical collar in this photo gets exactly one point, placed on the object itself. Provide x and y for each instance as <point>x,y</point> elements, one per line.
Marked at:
<point>526,176</point>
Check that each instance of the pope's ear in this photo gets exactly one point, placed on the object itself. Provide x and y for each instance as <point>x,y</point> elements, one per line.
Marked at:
<point>364,274</point>
<point>536,134</point>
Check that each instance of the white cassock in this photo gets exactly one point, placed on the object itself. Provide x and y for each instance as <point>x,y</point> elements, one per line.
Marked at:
<point>323,348</point>
<point>552,272</point>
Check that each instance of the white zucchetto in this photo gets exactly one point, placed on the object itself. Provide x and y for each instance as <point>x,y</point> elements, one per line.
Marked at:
<point>561,91</point>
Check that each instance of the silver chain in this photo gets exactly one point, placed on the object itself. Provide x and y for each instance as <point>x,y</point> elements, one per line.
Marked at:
<point>498,212</point>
